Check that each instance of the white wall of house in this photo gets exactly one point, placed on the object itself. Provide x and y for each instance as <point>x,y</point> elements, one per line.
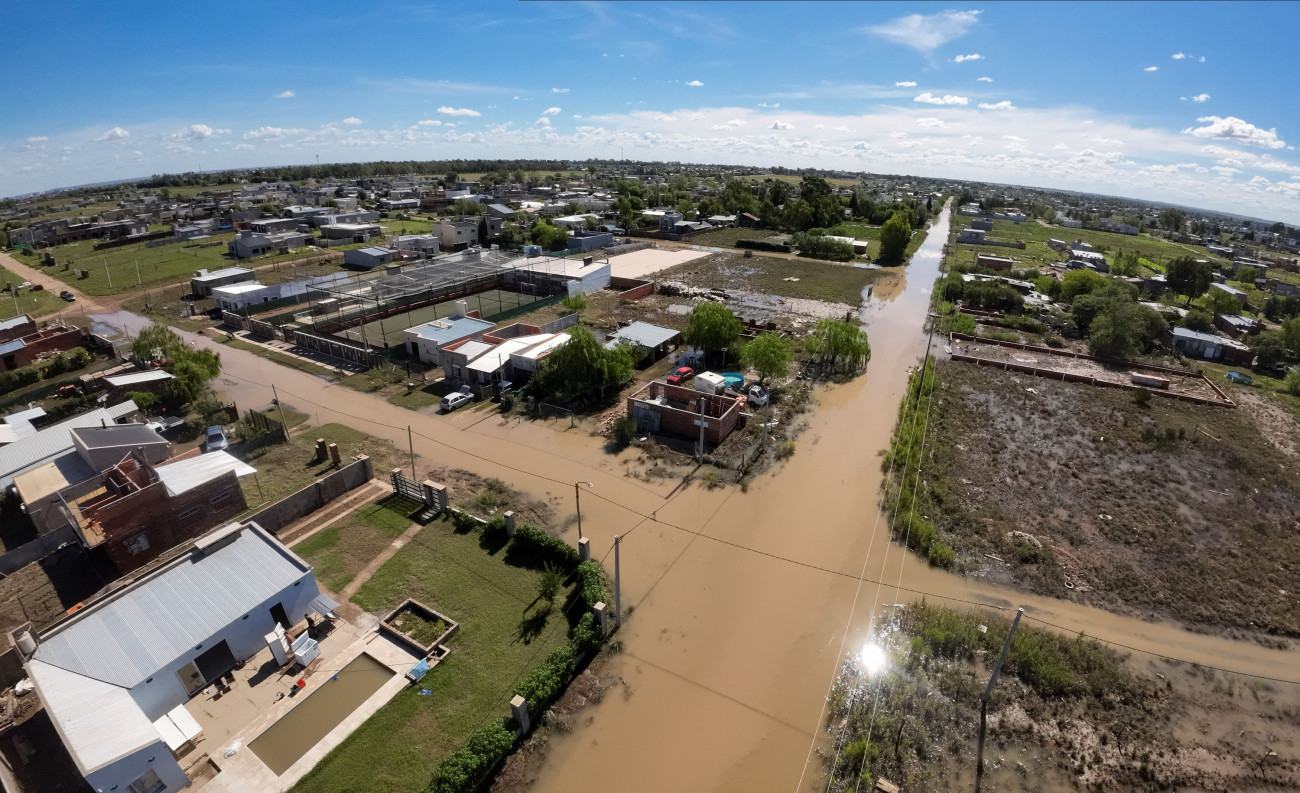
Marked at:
<point>120,774</point>
<point>246,636</point>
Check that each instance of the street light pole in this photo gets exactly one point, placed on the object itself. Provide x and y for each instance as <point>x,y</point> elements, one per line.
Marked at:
<point>578,503</point>
<point>984,699</point>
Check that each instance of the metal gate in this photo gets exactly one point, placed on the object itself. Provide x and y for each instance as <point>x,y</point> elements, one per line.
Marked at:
<point>406,487</point>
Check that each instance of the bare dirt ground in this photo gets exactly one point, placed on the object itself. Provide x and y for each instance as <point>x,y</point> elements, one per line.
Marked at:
<point>487,497</point>
<point>1168,509</point>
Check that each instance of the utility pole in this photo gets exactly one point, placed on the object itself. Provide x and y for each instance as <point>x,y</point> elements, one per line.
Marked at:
<point>411,444</point>
<point>283,425</point>
<point>618,588</point>
<point>578,503</point>
<point>138,280</point>
<point>106,275</point>
<point>984,699</point>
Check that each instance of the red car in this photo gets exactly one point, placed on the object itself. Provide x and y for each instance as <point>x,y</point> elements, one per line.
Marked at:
<point>680,375</point>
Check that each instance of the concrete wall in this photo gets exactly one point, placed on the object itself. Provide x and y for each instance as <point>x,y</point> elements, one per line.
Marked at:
<point>632,288</point>
<point>120,774</point>
<point>37,549</point>
<point>246,636</point>
<point>314,496</point>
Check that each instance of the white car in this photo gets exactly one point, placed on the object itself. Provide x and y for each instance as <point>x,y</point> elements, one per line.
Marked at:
<point>758,395</point>
<point>453,401</point>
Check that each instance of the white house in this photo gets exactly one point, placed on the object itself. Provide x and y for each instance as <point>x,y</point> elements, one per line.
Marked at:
<point>457,232</point>
<point>111,673</point>
<point>975,236</point>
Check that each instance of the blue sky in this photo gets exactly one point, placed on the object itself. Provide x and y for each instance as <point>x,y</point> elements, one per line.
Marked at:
<point>1191,103</point>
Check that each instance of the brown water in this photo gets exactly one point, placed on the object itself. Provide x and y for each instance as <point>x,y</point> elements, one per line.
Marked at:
<point>283,743</point>
<point>730,650</point>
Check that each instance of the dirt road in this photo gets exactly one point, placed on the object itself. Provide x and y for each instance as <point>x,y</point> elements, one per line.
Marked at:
<point>742,604</point>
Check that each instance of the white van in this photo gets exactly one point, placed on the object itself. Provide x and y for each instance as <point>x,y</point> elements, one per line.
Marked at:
<point>453,401</point>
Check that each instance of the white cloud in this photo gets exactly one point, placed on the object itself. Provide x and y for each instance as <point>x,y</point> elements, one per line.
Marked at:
<point>1201,98</point>
<point>543,122</point>
<point>243,147</point>
<point>1151,68</point>
<point>1015,138</point>
<point>465,111</point>
<point>695,84</point>
<point>781,125</point>
<point>946,99</point>
<point>930,121</point>
<point>285,95</point>
<point>559,90</point>
<point>38,139</point>
<point>1108,141</point>
<point>897,135</point>
<point>974,56</point>
<point>551,111</point>
<point>428,122</point>
<point>352,121</point>
<point>116,133</point>
<point>197,132</point>
<point>906,84</point>
<point>1201,59</point>
<point>272,133</point>
<point>983,79</point>
<point>925,33</point>
<point>1005,104</point>
<point>732,124</point>
<point>1178,56</point>
<point>1234,129</point>
<point>765,104</point>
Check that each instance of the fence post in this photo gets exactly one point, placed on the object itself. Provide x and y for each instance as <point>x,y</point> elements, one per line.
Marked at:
<point>584,549</point>
<point>602,614</point>
<point>519,709</point>
<point>510,522</point>
<point>393,477</point>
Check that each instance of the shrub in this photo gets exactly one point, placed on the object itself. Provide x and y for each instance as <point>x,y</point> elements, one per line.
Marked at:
<point>819,247</point>
<point>549,584</point>
<point>18,378</point>
<point>763,245</point>
<point>785,450</point>
<point>507,403</point>
<point>143,399</point>
<point>1141,396</point>
<point>963,323</point>
<point>536,546</point>
<point>941,555</point>
<point>623,430</point>
<point>1293,383</point>
<point>463,521</point>
<point>586,637</point>
<point>591,584</point>
<point>576,302</point>
<point>547,680</point>
<point>464,769</point>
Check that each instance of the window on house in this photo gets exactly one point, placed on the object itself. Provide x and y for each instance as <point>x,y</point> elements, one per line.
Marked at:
<point>137,544</point>
<point>188,513</point>
<point>147,783</point>
<point>218,498</point>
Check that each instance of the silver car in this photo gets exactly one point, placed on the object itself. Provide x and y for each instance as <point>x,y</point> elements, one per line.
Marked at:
<point>216,439</point>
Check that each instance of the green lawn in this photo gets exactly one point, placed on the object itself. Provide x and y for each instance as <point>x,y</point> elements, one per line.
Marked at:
<point>37,303</point>
<point>503,633</point>
<point>839,283</point>
<point>115,270</point>
<point>338,553</point>
<point>1157,252</point>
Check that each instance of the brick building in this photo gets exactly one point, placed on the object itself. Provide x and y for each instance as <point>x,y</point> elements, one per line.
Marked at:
<point>663,408</point>
<point>19,352</point>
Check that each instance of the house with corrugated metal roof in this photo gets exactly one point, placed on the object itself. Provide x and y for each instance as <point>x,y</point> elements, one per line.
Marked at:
<point>115,675</point>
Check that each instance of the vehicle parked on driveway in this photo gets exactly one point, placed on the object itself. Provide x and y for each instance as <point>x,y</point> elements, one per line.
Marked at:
<point>453,401</point>
<point>680,375</point>
<point>758,395</point>
<point>68,296</point>
<point>25,285</point>
<point>216,439</point>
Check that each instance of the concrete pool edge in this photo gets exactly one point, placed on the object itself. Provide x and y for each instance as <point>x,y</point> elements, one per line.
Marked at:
<point>246,773</point>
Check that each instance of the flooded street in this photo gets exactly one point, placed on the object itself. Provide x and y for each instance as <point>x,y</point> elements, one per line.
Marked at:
<point>741,603</point>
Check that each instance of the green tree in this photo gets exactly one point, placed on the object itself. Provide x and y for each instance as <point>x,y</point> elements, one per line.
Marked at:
<point>1049,286</point>
<point>191,368</point>
<point>894,237</point>
<point>1172,220</point>
<point>1080,282</point>
<point>1270,348</point>
<point>770,354</point>
<point>712,328</point>
<point>1126,264</point>
<point>548,236</point>
<point>1199,321</point>
<point>580,365</point>
<point>548,586</point>
<point>1217,301</point>
<point>467,206</point>
<point>1124,328</point>
<point>1291,335</point>
<point>1188,277</point>
<point>839,346</point>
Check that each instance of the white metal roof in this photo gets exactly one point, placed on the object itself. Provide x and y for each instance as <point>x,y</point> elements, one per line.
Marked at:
<point>13,322</point>
<point>495,358</point>
<point>31,450</point>
<point>645,334</point>
<point>177,727</point>
<point>472,349</point>
<point>99,722</point>
<point>229,271</point>
<point>131,634</point>
<point>544,348</point>
<point>238,289</point>
<point>138,377</point>
<point>185,475</point>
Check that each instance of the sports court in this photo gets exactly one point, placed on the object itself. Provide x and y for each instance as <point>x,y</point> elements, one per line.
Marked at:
<point>491,303</point>
<point>651,260</point>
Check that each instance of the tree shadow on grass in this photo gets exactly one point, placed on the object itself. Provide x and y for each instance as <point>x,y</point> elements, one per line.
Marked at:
<point>530,627</point>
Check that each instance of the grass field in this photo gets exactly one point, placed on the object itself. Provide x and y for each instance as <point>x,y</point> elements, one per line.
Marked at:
<point>117,270</point>
<point>837,283</point>
<point>38,304</point>
<point>341,551</point>
<point>504,632</point>
<point>726,238</point>
<point>1035,236</point>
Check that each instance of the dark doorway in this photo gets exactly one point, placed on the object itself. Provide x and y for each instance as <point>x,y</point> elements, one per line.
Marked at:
<point>280,616</point>
<point>215,662</point>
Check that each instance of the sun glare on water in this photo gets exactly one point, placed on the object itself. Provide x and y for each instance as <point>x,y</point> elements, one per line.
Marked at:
<point>873,658</point>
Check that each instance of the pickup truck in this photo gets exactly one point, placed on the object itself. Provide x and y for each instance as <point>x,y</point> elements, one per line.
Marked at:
<point>165,424</point>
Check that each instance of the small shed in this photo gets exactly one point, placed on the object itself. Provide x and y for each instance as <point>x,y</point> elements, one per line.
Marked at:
<point>655,338</point>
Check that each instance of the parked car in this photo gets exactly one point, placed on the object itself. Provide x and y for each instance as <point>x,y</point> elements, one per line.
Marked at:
<point>680,375</point>
<point>758,395</point>
<point>25,285</point>
<point>453,401</point>
<point>68,296</point>
<point>216,439</point>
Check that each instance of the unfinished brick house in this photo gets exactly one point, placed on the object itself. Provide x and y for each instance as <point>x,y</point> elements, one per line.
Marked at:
<point>21,351</point>
<point>663,408</point>
<point>136,510</point>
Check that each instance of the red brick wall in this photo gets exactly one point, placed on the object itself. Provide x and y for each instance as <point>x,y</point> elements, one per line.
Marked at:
<point>634,288</point>
<point>162,520</point>
<point>18,331</point>
<point>722,411</point>
<point>51,340</point>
